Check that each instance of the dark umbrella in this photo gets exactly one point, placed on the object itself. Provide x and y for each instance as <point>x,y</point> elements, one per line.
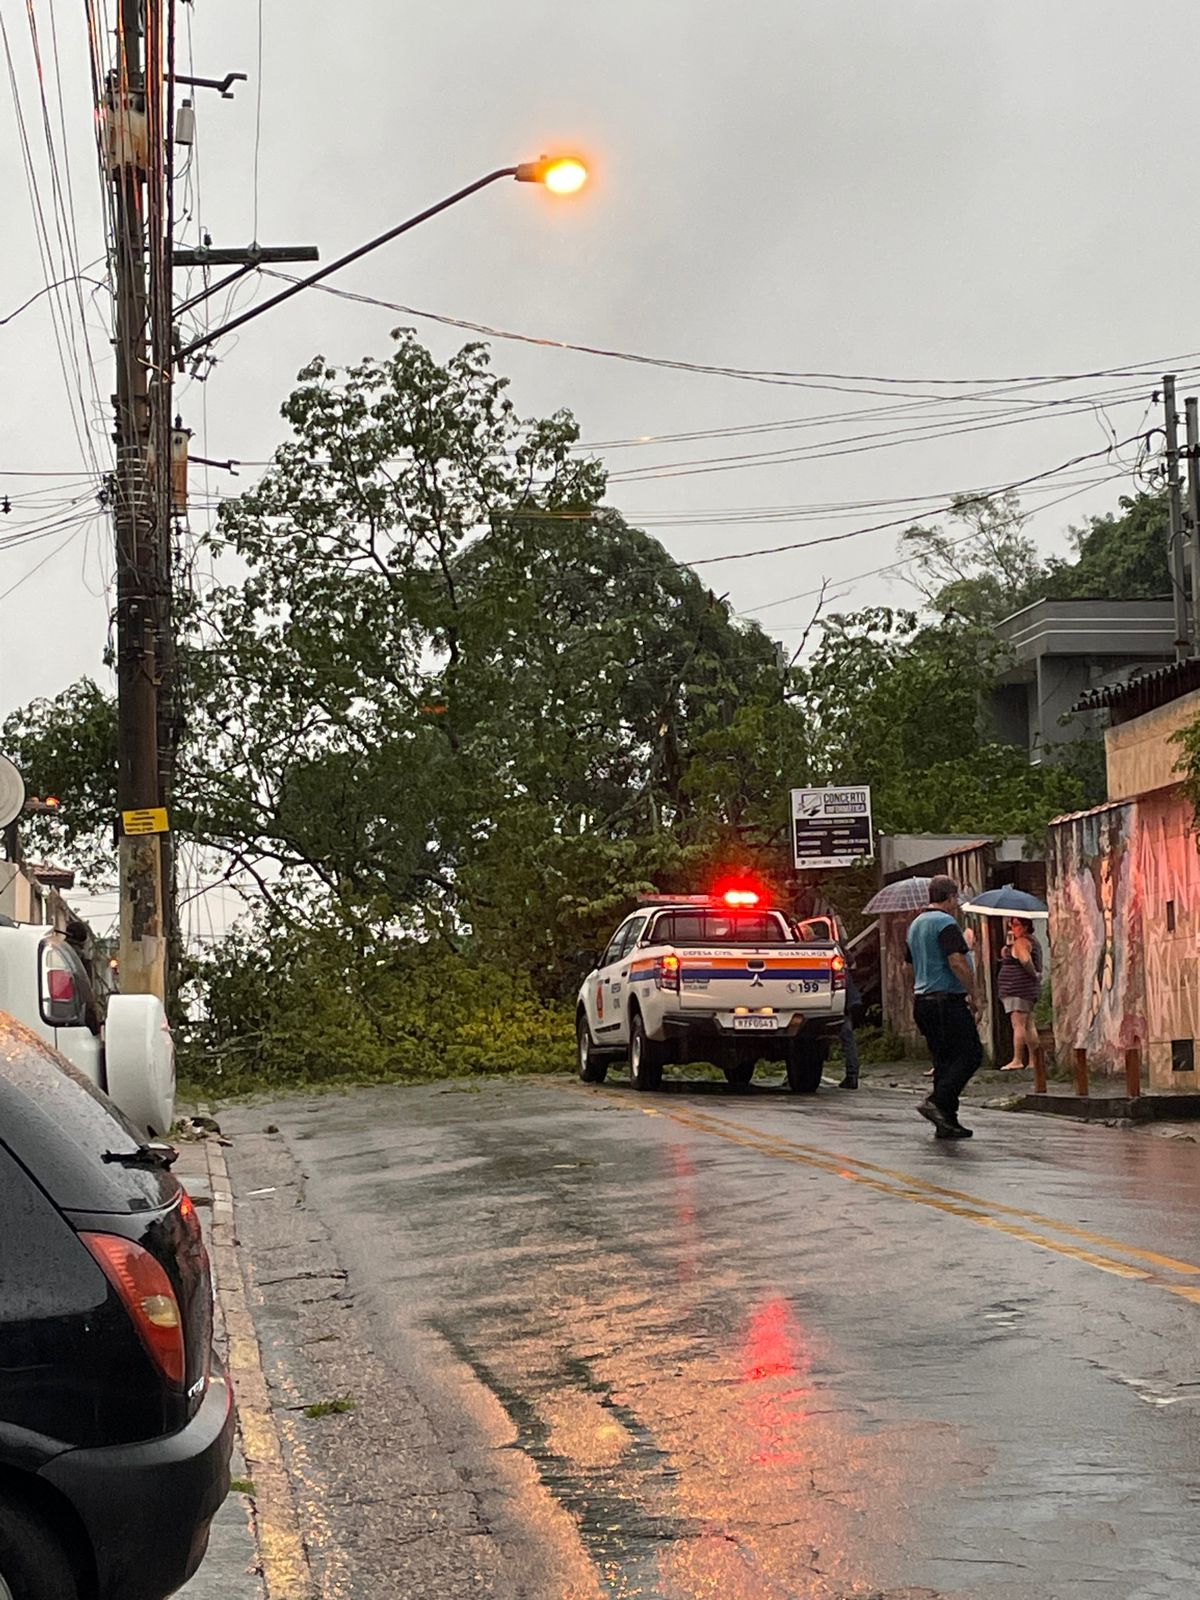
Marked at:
<point>1007,902</point>
<point>910,894</point>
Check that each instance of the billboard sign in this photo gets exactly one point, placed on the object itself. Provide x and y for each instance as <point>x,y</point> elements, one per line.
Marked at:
<point>831,827</point>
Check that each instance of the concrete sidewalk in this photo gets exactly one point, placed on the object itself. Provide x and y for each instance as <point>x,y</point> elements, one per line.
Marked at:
<point>231,1570</point>
<point>1105,1102</point>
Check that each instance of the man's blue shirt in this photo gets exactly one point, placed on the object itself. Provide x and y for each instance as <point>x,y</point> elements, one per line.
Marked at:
<point>932,939</point>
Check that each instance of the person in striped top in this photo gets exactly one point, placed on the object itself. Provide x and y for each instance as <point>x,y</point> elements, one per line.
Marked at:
<point>1019,985</point>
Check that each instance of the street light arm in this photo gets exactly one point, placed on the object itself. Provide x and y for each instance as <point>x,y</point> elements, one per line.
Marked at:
<point>344,261</point>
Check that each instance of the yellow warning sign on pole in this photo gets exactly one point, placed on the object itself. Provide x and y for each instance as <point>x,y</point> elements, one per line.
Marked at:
<point>151,820</point>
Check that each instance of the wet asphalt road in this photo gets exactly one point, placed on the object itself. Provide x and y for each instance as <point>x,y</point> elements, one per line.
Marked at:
<point>741,1346</point>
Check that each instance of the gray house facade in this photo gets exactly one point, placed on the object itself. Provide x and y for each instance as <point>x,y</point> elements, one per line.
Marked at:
<point>1062,650</point>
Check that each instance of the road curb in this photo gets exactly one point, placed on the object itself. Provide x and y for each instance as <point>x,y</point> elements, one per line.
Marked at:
<point>282,1554</point>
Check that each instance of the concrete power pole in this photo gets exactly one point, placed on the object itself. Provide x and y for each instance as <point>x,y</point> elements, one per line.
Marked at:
<point>135,163</point>
<point>1174,502</point>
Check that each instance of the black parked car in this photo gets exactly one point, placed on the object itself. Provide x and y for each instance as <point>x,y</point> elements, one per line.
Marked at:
<point>116,1422</point>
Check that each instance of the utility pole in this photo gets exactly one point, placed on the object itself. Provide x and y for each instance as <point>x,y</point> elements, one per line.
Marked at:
<point>1191,408</point>
<point>1175,551</point>
<point>135,161</point>
<point>140,120</point>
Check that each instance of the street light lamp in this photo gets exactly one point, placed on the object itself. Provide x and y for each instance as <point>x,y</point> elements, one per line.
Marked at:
<point>561,175</point>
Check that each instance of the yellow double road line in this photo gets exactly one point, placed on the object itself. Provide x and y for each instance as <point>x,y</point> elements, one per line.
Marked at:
<point>1093,1249</point>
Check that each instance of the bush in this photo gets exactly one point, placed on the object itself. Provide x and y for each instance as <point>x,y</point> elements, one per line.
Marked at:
<point>297,1011</point>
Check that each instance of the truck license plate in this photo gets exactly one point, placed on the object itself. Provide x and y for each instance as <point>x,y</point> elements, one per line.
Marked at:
<point>756,1024</point>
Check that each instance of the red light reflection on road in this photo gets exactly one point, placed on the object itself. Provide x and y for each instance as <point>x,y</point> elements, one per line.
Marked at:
<point>774,1356</point>
<point>771,1343</point>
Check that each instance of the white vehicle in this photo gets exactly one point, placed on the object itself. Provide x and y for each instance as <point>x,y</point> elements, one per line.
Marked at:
<point>44,984</point>
<point>721,979</point>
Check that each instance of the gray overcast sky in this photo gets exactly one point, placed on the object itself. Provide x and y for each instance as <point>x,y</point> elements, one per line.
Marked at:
<point>917,188</point>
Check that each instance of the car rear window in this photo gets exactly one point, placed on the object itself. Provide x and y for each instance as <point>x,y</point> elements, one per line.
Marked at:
<point>713,927</point>
<point>60,1128</point>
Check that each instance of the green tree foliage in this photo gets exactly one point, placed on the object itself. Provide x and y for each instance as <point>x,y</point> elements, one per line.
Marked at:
<point>1188,763</point>
<point>893,701</point>
<point>292,1006</point>
<point>985,566</point>
<point>981,569</point>
<point>1117,557</point>
<point>450,688</point>
<point>67,747</point>
<point>453,714</point>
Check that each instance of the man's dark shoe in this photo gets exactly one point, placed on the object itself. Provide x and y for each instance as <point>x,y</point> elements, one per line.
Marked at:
<point>848,1083</point>
<point>935,1114</point>
<point>955,1131</point>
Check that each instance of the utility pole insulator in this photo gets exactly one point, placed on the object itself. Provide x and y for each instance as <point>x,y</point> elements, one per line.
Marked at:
<point>243,255</point>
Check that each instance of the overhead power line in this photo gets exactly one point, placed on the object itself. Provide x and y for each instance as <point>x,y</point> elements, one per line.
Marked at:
<point>900,522</point>
<point>851,444</point>
<point>815,379</point>
<point>904,562</point>
<point>49,288</point>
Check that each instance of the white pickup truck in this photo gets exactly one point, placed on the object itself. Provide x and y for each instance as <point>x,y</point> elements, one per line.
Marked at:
<point>719,979</point>
<point>44,984</point>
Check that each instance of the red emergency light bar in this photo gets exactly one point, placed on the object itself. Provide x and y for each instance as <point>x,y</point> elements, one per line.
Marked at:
<point>735,899</point>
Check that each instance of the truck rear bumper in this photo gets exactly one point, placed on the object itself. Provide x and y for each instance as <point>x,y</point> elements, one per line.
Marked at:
<point>709,1026</point>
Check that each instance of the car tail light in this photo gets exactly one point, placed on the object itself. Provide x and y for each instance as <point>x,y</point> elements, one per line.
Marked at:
<point>838,964</point>
<point>147,1295</point>
<point>666,974</point>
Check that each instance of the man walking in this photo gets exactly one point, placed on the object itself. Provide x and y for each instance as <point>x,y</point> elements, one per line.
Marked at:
<point>944,1006</point>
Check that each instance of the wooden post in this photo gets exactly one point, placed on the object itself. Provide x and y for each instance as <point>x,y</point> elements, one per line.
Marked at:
<point>1081,1073</point>
<point>1039,1069</point>
<point>1133,1072</point>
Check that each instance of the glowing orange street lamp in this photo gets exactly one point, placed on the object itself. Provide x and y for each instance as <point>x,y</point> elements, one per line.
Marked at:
<point>561,174</point>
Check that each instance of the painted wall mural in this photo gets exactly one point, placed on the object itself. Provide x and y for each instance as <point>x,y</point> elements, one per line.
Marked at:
<point>1168,871</point>
<point>1095,890</point>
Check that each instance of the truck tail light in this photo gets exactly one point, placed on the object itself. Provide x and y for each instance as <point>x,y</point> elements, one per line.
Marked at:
<point>839,971</point>
<point>62,1003</point>
<point>147,1295</point>
<point>666,974</point>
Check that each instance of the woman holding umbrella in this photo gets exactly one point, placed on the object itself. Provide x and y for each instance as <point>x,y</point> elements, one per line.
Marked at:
<point>1019,979</point>
<point>1019,985</point>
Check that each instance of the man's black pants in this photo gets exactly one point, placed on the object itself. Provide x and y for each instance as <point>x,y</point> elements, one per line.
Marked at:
<point>953,1040</point>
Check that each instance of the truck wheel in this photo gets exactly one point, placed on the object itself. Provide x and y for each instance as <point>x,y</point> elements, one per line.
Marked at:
<point>738,1073</point>
<point>33,1565</point>
<point>805,1062</point>
<point>592,1068</point>
<point>645,1056</point>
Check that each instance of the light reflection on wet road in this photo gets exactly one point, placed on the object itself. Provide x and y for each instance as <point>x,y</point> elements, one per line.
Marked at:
<point>760,1347</point>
